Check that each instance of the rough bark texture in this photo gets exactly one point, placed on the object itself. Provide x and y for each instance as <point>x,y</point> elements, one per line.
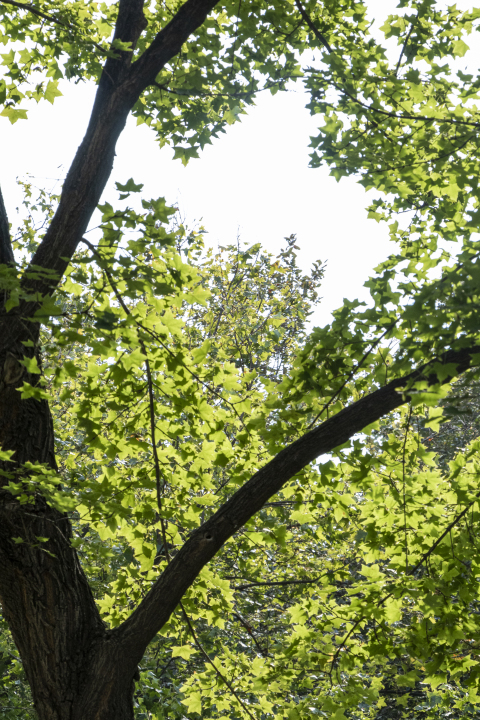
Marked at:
<point>77,669</point>
<point>45,595</point>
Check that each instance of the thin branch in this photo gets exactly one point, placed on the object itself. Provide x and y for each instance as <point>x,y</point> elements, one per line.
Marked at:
<point>404,116</point>
<point>279,582</point>
<point>193,92</point>
<point>234,48</point>
<point>447,530</point>
<point>321,38</point>
<point>37,12</point>
<point>160,486</point>
<point>165,667</point>
<point>403,48</point>
<point>249,630</point>
<point>151,401</point>
<point>209,660</point>
<point>51,18</point>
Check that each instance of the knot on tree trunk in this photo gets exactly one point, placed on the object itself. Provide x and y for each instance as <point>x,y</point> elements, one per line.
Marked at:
<point>12,370</point>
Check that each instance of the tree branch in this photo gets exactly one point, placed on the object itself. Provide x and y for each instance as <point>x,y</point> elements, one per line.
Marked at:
<point>6,251</point>
<point>412,25</point>
<point>168,42</point>
<point>155,609</point>
<point>321,38</point>
<point>35,11</point>
<point>278,582</point>
<point>249,629</point>
<point>93,162</point>
<point>131,22</point>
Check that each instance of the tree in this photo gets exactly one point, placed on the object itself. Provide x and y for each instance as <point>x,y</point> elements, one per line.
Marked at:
<point>157,413</point>
<point>239,281</point>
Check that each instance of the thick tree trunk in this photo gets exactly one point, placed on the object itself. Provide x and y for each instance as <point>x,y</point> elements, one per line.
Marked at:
<point>73,669</point>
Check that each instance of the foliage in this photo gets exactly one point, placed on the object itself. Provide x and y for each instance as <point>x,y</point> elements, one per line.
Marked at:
<point>15,696</point>
<point>177,375</point>
<point>213,306</point>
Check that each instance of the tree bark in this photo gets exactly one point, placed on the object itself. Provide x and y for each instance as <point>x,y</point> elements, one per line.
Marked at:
<point>44,593</point>
<point>6,251</point>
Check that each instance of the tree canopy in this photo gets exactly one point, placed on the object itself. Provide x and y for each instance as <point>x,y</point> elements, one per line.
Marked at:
<point>206,510</point>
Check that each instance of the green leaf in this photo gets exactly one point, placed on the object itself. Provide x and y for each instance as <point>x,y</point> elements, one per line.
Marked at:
<point>183,651</point>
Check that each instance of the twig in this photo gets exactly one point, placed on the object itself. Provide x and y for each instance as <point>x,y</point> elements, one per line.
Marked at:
<point>404,116</point>
<point>51,18</point>
<point>321,38</point>
<point>279,582</point>
<point>160,486</point>
<point>193,92</point>
<point>209,660</point>
<point>444,534</point>
<point>249,630</point>
<point>351,374</point>
<point>35,11</point>
<point>403,48</point>
<point>165,667</point>
<point>234,47</point>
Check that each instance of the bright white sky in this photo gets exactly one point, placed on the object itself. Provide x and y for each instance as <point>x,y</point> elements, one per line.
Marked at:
<point>254,181</point>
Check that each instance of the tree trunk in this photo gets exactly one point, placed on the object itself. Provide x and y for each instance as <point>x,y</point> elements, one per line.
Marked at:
<point>73,669</point>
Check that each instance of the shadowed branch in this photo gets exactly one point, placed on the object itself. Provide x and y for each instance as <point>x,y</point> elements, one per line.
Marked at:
<point>6,251</point>
<point>155,609</point>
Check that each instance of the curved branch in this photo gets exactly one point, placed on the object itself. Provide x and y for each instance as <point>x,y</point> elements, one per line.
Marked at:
<point>155,609</point>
